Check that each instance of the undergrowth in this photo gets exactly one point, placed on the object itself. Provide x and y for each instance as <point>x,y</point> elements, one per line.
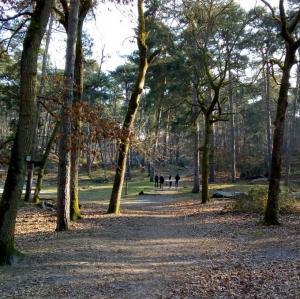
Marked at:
<point>256,200</point>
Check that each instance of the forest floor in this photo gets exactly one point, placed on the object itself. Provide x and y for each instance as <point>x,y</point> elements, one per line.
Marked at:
<point>161,246</point>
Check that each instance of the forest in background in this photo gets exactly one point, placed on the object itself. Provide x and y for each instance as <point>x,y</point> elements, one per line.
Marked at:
<point>216,95</point>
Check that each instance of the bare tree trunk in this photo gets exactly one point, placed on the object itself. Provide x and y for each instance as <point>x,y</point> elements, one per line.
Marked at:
<point>43,162</point>
<point>195,138</point>
<point>167,138</point>
<point>286,149</point>
<point>266,73</point>
<point>76,124</point>
<point>292,43</point>
<point>25,130</point>
<point>88,154</point>
<point>114,205</point>
<point>153,163</point>
<point>292,128</point>
<point>272,209</point>
<point>232,130</point>
<point>205,159</point>
<point>31,165</point>
<point>44,131</point>
<point>196,157</point>
<point>212,160</point>
<point>64,165</point>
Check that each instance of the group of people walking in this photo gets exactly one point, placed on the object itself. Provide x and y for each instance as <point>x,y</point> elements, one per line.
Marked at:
<point>160,180</point>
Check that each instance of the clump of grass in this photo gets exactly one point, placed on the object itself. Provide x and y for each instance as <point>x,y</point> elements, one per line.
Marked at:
<point>256,200</point>
<point>288,204</point>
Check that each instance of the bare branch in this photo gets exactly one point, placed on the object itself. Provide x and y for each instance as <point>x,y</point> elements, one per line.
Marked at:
<point>153,55</point>
<point>25,13</point>
<point>276,18</point>
<point>294,22</point>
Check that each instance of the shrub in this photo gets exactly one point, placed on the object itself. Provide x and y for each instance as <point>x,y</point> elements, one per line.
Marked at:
<point>256,200</point>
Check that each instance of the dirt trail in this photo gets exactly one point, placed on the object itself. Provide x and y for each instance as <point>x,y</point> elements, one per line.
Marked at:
<point>158,248</point>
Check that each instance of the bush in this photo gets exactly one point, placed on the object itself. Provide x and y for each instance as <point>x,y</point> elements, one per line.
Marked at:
<point>256,200</point>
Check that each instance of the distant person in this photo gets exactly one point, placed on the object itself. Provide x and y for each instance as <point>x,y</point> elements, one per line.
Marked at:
<point>161,182</point>
<point>170,181</point>
<point>156,181</point>
<point>177,178</point>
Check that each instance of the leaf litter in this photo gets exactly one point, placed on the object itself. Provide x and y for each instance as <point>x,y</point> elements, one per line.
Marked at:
<point>167,249</point>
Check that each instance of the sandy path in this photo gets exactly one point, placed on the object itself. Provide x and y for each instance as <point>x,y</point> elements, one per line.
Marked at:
<point>157,248</point>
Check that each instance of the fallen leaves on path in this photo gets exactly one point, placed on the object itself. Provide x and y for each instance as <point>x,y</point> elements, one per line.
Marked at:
<point>169,249</point>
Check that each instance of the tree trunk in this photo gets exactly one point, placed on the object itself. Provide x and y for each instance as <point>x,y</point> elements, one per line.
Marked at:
<point>41,90</point>
<point>212,160</point>
<point>76,124</point>
<point>43,162</point>
<point>25,130</point>
<point>292,128</point>
<point>88,154</point>
<point>114,205</point>
<point>272,209</point>
<point>196,157</point>
<point>286,150</point>
<point>64,165</point>
<point>29,181</point>
<point>195,138</point>
<point>153,163</point>
<point>232,131</point>
<point>205,159</point>
<point>267,75</point>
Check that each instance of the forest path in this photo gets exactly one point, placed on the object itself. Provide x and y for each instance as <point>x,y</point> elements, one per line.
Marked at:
<point>160,247</point>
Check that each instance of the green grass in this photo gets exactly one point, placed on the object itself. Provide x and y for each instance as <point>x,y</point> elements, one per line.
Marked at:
<point>92,191</point>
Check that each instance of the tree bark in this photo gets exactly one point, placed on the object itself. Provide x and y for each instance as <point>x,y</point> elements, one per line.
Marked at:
<point>195,138</point>
<point>76,124</point>
<point>232,131</point>
<point>292,128</point>
<point>64,165</point>
<point>196,157</point>
<point>25,130</point>
<point>114,205</point>
<point>31,166</point>
<point>43,163</point>
<point>205,158</point>
<point>266,77</point>
<point>153,163</point>
<point>212,159</point>
<point>271,216</point>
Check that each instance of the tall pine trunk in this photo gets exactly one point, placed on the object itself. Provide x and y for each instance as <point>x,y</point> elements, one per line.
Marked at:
<point>212,158</point>
<point>25,131</point>
<point>195,140</point>
<point>205,158</point>
<point>196,157</point>
<point>127,129</point>
<point>232,131</point>
<point>272,209</point>
<point>292,43</point>
<point>292,128</point>
<point>41,90</point>
<point>266,77</point>
<point>43,163</point>
<point>76,124</point>
<point>153,162</point>
<point>64,164</point>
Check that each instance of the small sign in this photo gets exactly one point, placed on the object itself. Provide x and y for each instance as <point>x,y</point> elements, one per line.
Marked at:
<point>28,158</point>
